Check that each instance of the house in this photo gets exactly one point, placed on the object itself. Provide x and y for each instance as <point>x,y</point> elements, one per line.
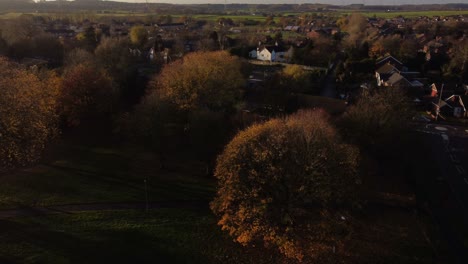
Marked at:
<point>457,105</point>
<point>170,26</point>
<point>322,32</point>
<point>391,72</point>
<point>292,28</point>
<point>275,53</point>
<point>159,55</point>
<point>389,60</point>
<point>453,106</point>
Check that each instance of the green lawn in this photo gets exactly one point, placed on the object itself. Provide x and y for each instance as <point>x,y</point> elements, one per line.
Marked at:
<point>77,173</point>
<point>160,236</point>
<point>383,235</point>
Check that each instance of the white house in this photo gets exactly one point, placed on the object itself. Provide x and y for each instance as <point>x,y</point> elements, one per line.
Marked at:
<point>272,53</point>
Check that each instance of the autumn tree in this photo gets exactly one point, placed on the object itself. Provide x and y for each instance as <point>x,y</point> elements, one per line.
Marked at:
<point>386,45</point>
<point>28,118</point>
<point>78,56</point>
<point>355,25</point>
<point>280,184</point>
<point>138,35</point>
<point>88,38</point>
<point>87,92</point>
<point>211,80</point>
<point>296,77</point>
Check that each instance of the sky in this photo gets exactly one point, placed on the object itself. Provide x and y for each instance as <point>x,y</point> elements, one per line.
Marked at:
<point>337,2</point>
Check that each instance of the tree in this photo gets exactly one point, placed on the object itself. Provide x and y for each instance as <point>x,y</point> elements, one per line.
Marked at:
<point>211,80</point>
<point>48,46</point>
<point>78,56</point>
<point>87,92</point>
<point>138,35</point>
<point>378,120</point>
<point>3,45</point>
<point>386,45</point>
<point>278,183</point>
<point>296,79</point>
<point>457,68</point>
<point>88,38</point>
<point>28,118</point>
<point>114,56</point>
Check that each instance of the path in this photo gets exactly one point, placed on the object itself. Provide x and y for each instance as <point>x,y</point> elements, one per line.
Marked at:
<point>74,208</point>
<point>329,86</point>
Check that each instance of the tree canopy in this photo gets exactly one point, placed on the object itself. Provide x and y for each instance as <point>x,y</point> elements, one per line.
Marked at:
<point>28,116</point>
<point>138,35</point>
<point>277,181</point>
<point>377,120</point>
<point>87,92</point>
<point>210,80</point>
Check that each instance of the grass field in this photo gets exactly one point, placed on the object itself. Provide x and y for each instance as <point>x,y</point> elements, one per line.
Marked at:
<point>412,14</point>
<point>192,236</point>
<point>80,173</point>
<point>162,236</point>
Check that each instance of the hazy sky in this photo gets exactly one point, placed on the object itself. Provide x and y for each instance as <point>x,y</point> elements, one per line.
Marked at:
<point>338,2</point>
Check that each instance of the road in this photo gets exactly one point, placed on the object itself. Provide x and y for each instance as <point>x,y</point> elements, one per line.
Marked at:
<point>329,87</point>
<point>447,192</point>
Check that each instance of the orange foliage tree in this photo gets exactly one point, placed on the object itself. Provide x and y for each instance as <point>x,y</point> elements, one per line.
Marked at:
<point>280,183</point>
<point>202,80</point>
<point>87,92</point>
<point>28,118</point>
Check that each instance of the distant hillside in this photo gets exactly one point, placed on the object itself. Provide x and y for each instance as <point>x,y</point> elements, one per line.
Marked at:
<point>98,5</point>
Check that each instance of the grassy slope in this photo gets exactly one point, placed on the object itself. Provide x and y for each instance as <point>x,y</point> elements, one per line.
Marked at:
<point>191,236</point>
<point>162,236</point>
<point>80,173</point>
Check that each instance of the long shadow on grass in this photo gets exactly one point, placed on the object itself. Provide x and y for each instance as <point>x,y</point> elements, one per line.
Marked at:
<point>38,243</point>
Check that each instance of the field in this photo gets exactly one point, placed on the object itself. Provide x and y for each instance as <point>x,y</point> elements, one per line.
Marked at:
<point>239,18</point>
<point>191,236</point>
<point>162,236</point>
<point>413,14</point>
<point>80,172</point>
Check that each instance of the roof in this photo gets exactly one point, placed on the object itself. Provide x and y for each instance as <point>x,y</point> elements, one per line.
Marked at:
<point>416,83</point>
<point>396,78</point>
<point>387,68</point>
<point>455,101</point>
<point>441,104</point>
<point>388,59</point>
<point>274,48</point>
